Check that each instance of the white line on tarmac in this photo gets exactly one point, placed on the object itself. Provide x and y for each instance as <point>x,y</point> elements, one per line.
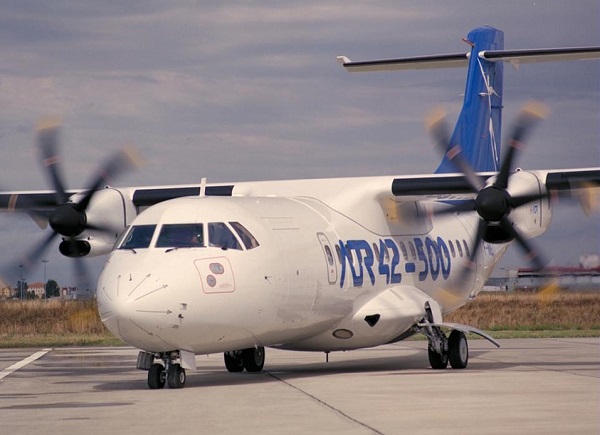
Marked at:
<point>19,365</point>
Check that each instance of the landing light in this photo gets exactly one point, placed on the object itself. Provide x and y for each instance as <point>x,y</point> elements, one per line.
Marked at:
<point>343,334</point>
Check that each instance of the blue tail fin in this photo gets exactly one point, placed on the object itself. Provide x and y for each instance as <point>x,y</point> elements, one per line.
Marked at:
<point>477,130</point>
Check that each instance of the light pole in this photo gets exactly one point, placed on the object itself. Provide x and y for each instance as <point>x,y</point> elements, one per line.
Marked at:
<point>21,284</point>
<point>45,261</point>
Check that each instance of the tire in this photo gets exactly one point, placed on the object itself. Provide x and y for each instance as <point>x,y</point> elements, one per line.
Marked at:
<point>156,376</point>
<point>234,362</point>
<point>458,350</point>
<point>254,359</point>
<point>176,376</point>
<point>436,360</point>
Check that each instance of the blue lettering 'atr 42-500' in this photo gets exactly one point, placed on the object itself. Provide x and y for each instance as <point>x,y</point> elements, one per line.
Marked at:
<point>432,260</point>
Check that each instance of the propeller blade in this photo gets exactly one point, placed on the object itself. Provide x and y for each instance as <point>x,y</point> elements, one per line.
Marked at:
<point>527,117</point>
<point>456,207</point>
<point>102,228</point>
<point>532,256</point>
<point>436,124</point>
<point>31,259</point>
<point>82,276</point>
<point>588,196</point>
<point>47,137</point>
<point>125,159</point>
<point>520,200</point>
<point>470,266</point>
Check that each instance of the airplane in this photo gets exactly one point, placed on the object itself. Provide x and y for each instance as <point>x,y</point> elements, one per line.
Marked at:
<point>313,265</point>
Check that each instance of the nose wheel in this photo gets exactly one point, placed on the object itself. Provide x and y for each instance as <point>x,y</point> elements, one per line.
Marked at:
<point>169,373</point>
<point>156,376</point>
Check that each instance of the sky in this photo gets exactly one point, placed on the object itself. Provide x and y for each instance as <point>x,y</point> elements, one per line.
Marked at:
<point>251,90</point>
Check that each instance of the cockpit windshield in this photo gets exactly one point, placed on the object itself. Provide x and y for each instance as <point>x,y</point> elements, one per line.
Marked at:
<point>231,235</point>
<point>221,236</point>
<point>181,236</point>
<point>139,236</point>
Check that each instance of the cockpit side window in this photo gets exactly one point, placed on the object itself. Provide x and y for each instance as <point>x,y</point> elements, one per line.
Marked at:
<point>247,238</point>
<point>221,236</point>
<point>139,236</point>
<point>181,236</point>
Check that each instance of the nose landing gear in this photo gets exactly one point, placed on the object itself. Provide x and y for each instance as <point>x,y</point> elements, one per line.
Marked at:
<point>169,372</point>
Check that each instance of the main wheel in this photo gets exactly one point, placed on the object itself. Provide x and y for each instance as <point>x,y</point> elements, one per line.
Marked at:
<point>254,359</point>
<point>458,350</point>
<point>176,376</point>
<point>156,376</point>
<point>234,362</point>
<point>436,360</point>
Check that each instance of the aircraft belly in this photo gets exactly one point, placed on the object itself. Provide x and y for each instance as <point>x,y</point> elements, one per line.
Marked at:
<point>380,320</point>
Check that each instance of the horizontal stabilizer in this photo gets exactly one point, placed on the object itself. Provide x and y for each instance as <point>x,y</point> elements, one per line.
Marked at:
<point>454,60</point>
<point>541,55</point>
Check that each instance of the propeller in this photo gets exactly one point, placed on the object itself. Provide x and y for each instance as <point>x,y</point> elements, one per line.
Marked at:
<point>68,218</point>
<point>493,203</point>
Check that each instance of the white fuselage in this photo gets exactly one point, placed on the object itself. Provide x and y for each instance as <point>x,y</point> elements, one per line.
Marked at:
<point>327,274</point>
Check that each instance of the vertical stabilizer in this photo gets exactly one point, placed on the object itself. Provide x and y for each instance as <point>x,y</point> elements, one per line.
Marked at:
<point>477,130</point>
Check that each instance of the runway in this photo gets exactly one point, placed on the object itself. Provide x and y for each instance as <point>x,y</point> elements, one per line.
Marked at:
<point>528,386</point>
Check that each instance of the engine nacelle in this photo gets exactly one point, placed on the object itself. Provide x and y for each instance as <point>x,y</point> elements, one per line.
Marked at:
<point>534,218</point>
<point>108,213</point>
<point>84,248</point>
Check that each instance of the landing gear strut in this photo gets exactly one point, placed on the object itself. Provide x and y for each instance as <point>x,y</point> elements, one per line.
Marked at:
<point>251,359</point>
<point>438,349</point>
<point>169,372</point>
<point>442,349</point>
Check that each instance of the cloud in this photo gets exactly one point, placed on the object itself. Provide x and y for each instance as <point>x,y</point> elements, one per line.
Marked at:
<point>252,91</point>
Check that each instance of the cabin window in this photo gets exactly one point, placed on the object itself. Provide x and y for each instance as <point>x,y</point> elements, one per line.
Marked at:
<point>181,236</point>
<point>349,254</point>
<point>413,251</point>
<point>139,236</point>
<point>467,250</point>
<point>376,250</point>
<point>220,236</point>
<point>452,251</point>
<point>247,238</point>
<point>403,249</point>
<point>460,251</point>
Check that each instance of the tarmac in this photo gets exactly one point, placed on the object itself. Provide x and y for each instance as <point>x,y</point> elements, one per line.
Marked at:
<point>533,386</point>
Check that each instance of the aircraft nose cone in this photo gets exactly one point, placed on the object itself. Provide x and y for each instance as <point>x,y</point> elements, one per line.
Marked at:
<point>127,306</point>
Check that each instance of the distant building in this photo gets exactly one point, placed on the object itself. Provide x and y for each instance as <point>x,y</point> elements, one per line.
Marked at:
<point>571,278</point>
<point>7,293</point>
<point>67,292</point>
<point>75,293</point>
<point>589,261</point>
<point>38,288</point>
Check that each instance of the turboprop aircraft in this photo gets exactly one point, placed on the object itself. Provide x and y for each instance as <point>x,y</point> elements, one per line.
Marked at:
<point>314,265</point>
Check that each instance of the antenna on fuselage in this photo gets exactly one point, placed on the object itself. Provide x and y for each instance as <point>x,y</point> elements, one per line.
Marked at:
<point>203,186</point>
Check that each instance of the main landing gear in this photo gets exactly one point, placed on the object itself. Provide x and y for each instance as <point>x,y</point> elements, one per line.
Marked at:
<point>453,349</point>
<point>442,349</point>
<point>169,372</point>
<point>251,359</point>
